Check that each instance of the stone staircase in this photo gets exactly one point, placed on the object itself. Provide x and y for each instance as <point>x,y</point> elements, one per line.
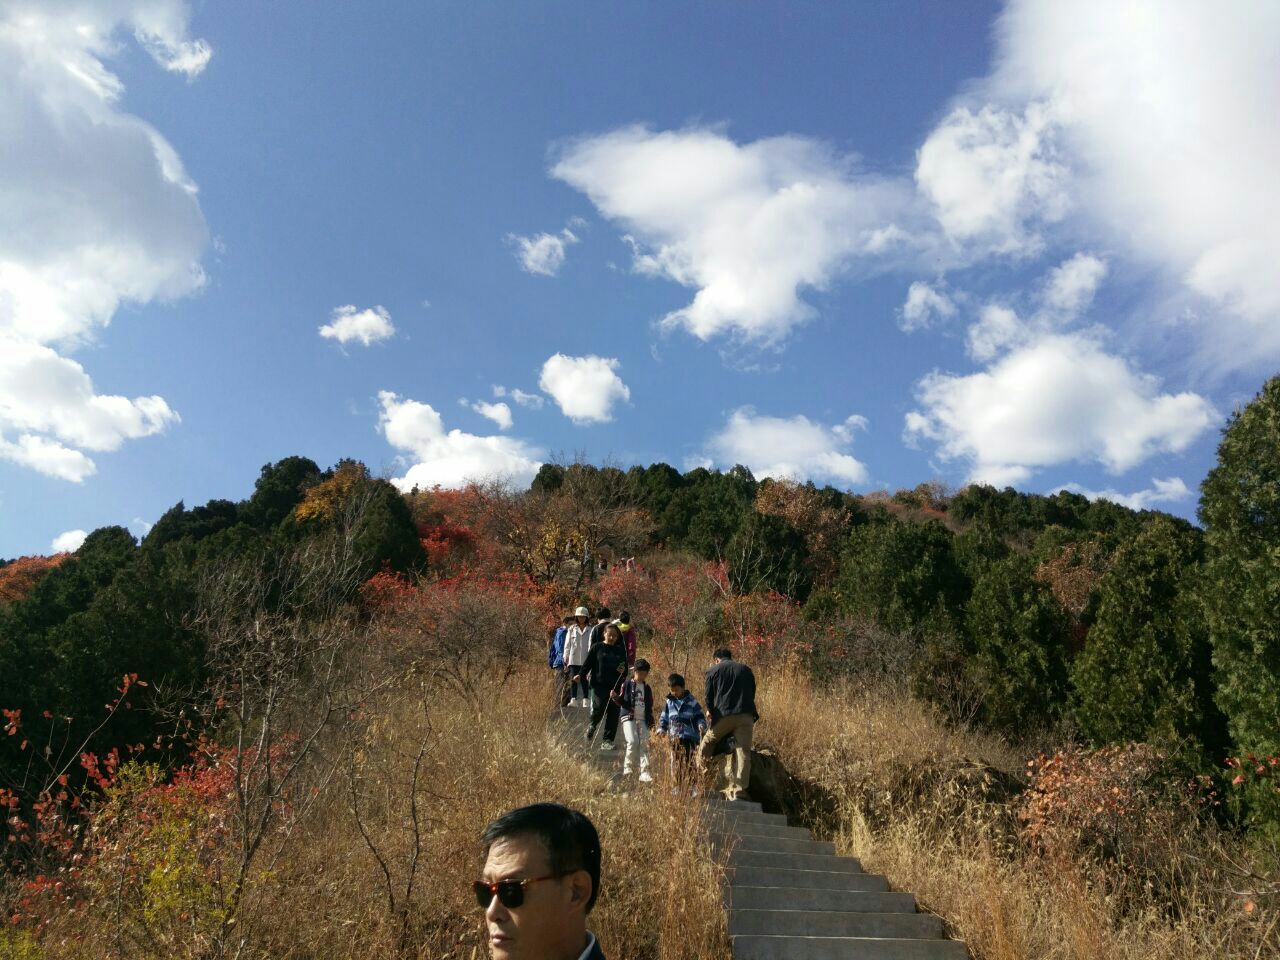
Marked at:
<point>790,897</point>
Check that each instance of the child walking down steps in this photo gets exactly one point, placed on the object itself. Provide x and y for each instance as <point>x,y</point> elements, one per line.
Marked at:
<point>636,712</point>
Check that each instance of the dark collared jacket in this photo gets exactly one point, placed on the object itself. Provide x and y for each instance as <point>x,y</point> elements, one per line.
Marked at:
<point>730,688</point>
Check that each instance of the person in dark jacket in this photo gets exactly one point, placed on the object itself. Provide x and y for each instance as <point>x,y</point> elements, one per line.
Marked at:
<point>730,694</point>
<point>635,710</point>
<point>541,879</point>
<point>555,660</point>
<point>605,672</point>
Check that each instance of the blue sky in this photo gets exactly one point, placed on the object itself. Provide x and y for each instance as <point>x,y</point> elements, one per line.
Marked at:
<point>867,244</point>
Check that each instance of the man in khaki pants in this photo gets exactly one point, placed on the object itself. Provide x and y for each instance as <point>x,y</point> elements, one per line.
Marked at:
<point>730,696</point>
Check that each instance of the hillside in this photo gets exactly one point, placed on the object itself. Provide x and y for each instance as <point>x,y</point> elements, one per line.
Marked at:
<point>306,703</point>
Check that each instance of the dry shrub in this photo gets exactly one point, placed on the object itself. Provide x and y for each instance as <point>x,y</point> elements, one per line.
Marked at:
<point>896,787</point>
<point>379,863</point>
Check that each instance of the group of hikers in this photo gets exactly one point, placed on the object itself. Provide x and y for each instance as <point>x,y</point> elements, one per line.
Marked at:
<point>594,659</point>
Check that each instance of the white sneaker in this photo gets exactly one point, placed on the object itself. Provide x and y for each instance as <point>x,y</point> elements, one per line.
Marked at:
<point>606,746</point>
<point>645,778</point>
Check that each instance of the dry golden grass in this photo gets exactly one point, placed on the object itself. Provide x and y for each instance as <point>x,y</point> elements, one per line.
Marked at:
<point>321,894</point>
<point>926,805</point>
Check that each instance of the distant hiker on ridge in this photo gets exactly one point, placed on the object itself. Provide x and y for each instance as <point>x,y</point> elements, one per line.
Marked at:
<point>730,692</point>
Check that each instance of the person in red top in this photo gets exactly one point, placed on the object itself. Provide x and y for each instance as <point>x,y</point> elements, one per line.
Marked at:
<point>623,623</point>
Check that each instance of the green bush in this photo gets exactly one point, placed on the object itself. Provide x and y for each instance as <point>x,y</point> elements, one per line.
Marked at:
<point>1240,509</point>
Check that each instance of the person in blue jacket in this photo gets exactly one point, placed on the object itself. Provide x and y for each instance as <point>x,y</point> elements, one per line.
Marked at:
<point>555,660</point>
<point>683,723</point>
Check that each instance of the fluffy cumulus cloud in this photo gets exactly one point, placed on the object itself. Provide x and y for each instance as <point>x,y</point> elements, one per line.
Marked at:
<point>543,253</point>
<point>794,447</point>
<point>499,413</point>
<point>1059,398</point>
<point>1071,286</point>
<point>68,542</point>
<point>749,226</point>
<point>1172,490</point>
<point>585,388</point>
<point>993,177</point>
<point>348,325</point>
<point>450,458</point>
<point>98,211</point>
<point>1153,117</point>
<point>924,303</point>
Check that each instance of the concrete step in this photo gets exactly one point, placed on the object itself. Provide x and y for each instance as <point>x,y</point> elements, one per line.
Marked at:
<point>806,879</point>
<point>737,818</point>
<point>761,830</point>
<point>748,841</point>
<point>782,860</point>
<point>824,923</point>
<point>844,948</point>
<point>733,806</point>
<point>835,901</point>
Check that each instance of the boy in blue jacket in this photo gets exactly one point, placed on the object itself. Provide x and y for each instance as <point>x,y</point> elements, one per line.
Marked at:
<point>683,722</point>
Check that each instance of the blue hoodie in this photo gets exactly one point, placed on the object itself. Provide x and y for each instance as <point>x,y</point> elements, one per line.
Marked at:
<point>683,718</point>
<point>555,653</point>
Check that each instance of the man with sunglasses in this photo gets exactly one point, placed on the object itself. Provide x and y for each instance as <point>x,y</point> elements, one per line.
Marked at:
<point>541,877</point>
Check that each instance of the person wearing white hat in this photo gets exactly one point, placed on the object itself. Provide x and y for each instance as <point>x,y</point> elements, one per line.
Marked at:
<point>576,645</point>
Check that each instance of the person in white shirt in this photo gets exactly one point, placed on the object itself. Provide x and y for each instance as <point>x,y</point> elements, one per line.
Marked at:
<point>577,643</point>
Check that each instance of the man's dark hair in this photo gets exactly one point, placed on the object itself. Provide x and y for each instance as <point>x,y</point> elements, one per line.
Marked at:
<point>724,653</point>
<point>624,617</point>
<point>569,619</point>
<point>569,838</point>
<point>641,664</point>
<point>603,613</point>
<point>675,680</point>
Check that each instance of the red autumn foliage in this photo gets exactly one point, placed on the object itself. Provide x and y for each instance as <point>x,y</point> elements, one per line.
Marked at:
<point>19,578</point>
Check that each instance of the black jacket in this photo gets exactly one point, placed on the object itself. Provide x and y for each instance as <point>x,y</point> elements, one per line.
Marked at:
<point>730,688</point>
<point>595,953</point>
<point>601,668</point>
<point>637,698</point>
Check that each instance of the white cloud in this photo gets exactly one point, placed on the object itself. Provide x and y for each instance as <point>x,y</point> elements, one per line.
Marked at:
<point>1071,285</point>
<point>1159,110</point>
<point>1064,295</point>
<point>98,211</point>
<point>49,401</point>
<point>1172,490</point>
<point>923,304</point>
<point>527,399</point>
<point>48,457</point>
<point>993,177</point>
<point>450,458</point>
<point>996,328</point>
<point>68,542</point>
<point>794,447</point>
<point>499,413</point>
<point>585,388</point>
<point>1057,399</point>
<point>749,226</point>
<point>543,253</point>
<point>366,326</point>
<point>532,400</point>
